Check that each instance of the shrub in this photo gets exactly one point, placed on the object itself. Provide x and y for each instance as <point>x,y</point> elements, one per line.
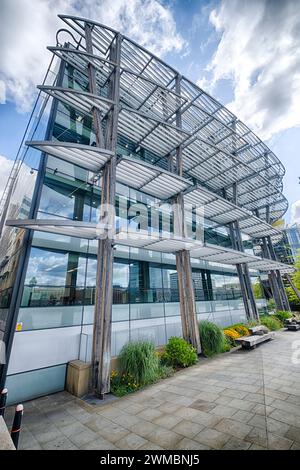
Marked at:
<point>226,346</point>
<point>282,315</point>
<point>271,305</point>
<point>179,353</point>
<point>271,322</point>
<point>138,360</point>
<point>122,384</point>
<point>212,338</point>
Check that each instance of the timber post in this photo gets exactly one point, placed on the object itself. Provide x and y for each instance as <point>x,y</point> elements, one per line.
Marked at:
<point>189,322</point>
<point>101,352</point>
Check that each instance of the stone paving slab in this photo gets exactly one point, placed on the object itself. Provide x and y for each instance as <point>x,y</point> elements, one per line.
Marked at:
<point>239,401</point>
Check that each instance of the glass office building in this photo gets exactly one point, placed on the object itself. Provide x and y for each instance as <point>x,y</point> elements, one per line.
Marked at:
<point>48,273</point>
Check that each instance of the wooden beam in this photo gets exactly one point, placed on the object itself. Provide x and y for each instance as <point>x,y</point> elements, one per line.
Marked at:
<point>189,322</point>
<point>101,353</point>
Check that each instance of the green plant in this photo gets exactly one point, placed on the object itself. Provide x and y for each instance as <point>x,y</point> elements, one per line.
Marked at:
<point>282,315</point>
<point>179,353</point>
<point>122,384</point>
<point>271,305</point>
<point>165,371</point>
<point>226,346</point>
<point>139,360</point>
<point>212,338</point>
<point>271,322</point>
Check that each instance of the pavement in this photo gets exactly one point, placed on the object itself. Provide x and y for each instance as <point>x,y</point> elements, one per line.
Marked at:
<point>239,400</point>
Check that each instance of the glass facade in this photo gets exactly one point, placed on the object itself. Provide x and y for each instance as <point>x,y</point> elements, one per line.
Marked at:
<point>57,294</point>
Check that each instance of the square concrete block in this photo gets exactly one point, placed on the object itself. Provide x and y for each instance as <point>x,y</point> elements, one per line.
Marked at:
<point>78,374</point>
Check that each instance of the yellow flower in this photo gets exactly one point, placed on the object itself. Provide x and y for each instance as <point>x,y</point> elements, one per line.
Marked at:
<point>231,333</point>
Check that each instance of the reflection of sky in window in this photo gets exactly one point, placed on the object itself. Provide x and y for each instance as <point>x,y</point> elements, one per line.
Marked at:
<point>51,268</point>
<point>121,275</point>
<point>56,203</point>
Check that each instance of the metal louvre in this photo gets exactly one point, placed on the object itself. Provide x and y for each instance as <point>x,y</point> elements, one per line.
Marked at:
<point>69,228</point>
<point>218,149</point>
<point>149,178</point>
<point>202,116</point>
<point>265,265</point>
<point>78,99</point>
<point>138,92</point>
<point>155,242</point>
<point>86,156</point>
<point>255,228</point>
<point>222,211</point>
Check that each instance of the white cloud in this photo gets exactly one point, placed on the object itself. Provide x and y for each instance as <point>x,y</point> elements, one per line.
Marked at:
<point>5,167</point>
<point>259,50</point>
<point>295,212</point>
<point>27,27</point>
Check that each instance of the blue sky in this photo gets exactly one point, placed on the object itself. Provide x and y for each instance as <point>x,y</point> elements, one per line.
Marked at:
<point>244,53</point>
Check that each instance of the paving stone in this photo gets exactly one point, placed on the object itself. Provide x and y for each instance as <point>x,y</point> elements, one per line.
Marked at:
<point>276,442</point>
<point>202,405</point>
<point>222,400</point>
<point>150,414</point>
<point>277,427</point>
<point>207,396</point>
<point>223,411</point>
<point>60,417</point>
<point>293,433</point>
<point>257,447</point>
<point>188,428</point>
<point>99,444</point>
<point>223,403</point>
<point>150,446</point>
<point>132,441</point>
<point>284,417</point>
<point>82,438</point>
<point>126,420</point>
<point>169,407</point>
<point>234,393</point>
<point>47,434</point>
<point>167,421</point>
<point>257,436</point>
<point>60,443</point>
<point>190,444</point>
<point>259,421</point>
<point>108,430</point>
<point>242,416</point>
<point>165,438</point>
<point>144,428</point>
<point>74,428</point>
<point>235,428</point>
<point>236,444</point>
<point>212,438</point>
<point>242,404</point>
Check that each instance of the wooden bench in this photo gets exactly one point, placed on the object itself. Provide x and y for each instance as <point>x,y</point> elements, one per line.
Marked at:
<point>292,325</point>
<point>250,342</point>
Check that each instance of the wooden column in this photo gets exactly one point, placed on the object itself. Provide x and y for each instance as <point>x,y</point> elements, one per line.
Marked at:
<point>284,302</point>
<point>187,302</point>
<point>242,269</point>
<point>101,354</point>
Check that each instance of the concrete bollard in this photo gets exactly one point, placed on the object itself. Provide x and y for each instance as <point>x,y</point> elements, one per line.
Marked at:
<point>16,427</point>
